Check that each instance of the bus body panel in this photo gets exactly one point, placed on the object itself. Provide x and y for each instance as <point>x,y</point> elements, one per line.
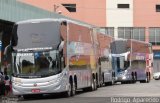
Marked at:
<point>77,58</point>
<point>52,84</point>
<point>105,61</point>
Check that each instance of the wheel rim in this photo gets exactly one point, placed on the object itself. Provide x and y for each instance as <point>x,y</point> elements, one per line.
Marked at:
<point>92,85</point>
<point>73,89</point>
<point>69,90</point>
<point>112,82</point>
<point>95,84</point>
<point>146,79</point>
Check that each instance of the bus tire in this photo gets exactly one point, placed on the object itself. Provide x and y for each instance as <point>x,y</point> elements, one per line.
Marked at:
<point>28,96</point>
<point>112,82</point>
<point>73,89</point>
<point>123,82</point>
<point>25,97</point>
<point>144,81</point>
<point>133,78</point>
<point>91,88</point>
<point>148,77</point>
<point>75,82</point>
<point>103,79</point>
<point>68,93</point>
<point>93,85</point>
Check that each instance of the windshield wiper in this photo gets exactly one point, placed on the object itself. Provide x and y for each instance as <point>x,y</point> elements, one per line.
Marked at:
<point>25,76</point>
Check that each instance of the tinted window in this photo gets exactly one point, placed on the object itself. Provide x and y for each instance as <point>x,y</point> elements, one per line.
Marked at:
<point>118,47</point>
<point>36,35</point>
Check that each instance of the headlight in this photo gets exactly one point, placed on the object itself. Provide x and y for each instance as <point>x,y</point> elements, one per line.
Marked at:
<point>124,77</point>
<point>17,81</point>
<point>57,79</point>
<point>122,73</point>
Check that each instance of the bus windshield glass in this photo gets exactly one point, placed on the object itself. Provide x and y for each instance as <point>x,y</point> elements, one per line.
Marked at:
<point>121,63</point>
<point>118,47</point>
<point>36,35</point>
<point>36,65</point>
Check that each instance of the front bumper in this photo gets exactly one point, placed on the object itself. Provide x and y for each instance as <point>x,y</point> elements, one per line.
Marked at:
<point>122,78</point>
<point>57,85</point>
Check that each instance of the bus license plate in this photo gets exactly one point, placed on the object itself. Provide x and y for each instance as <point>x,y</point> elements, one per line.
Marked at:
<point>35,90</point>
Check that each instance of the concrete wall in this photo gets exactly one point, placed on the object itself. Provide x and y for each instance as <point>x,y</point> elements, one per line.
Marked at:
<point>90,11</point>
<point>119,17</point>
<point>145,15</point>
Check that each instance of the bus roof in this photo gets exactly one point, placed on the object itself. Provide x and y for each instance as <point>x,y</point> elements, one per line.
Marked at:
<point>53,19</point>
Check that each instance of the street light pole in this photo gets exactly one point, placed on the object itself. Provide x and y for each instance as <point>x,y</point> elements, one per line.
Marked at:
<point>55,7</point>
<point>131,48</point>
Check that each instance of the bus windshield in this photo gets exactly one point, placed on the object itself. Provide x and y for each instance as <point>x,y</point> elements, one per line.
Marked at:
<point>36,64</point>
<point>121,63</point>
<point>36,35</point>
<point>118,47</point>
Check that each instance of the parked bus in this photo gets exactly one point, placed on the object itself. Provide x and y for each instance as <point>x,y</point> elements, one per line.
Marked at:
<point>132,60</point>
<point>107,73</point>
<point>53,56</point>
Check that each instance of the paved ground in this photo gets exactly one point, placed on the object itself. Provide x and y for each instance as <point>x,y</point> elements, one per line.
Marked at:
<point>138,89</point>
<point>110,94</point>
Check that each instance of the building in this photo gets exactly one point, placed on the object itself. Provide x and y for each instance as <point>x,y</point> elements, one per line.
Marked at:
<point>137,19</point>
<point>90,11</point>
<point>12,11</point>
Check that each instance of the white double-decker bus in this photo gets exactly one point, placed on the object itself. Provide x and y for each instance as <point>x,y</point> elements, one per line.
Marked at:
<point>53,56</point>
<point>132,60</point>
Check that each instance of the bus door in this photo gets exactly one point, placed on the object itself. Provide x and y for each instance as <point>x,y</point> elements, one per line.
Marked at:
<point>114,65</point>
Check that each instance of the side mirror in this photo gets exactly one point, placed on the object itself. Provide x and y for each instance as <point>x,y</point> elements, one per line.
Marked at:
<point>61,46</point>
<point>110,57</point>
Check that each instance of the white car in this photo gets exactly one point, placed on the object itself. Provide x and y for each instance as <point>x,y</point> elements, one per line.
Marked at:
<point>156,75</point>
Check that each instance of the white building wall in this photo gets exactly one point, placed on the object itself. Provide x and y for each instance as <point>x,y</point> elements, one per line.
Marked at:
<point>119,17</point>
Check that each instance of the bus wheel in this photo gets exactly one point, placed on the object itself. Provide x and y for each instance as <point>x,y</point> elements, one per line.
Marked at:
<point>68,93</point>
<point>123,82</point>
<point>93,85</point>
<point>112,82</point>
<point>102,80</point>
<point>28,96</point>
<point>133,78</point>
<point>144,81</point>
<point>135,74</point>
<point>148,77</point>
<point>25,97</point>
<point>73,89</point>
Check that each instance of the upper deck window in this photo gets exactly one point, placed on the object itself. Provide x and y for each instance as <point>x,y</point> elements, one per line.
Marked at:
<point>36,35</point>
